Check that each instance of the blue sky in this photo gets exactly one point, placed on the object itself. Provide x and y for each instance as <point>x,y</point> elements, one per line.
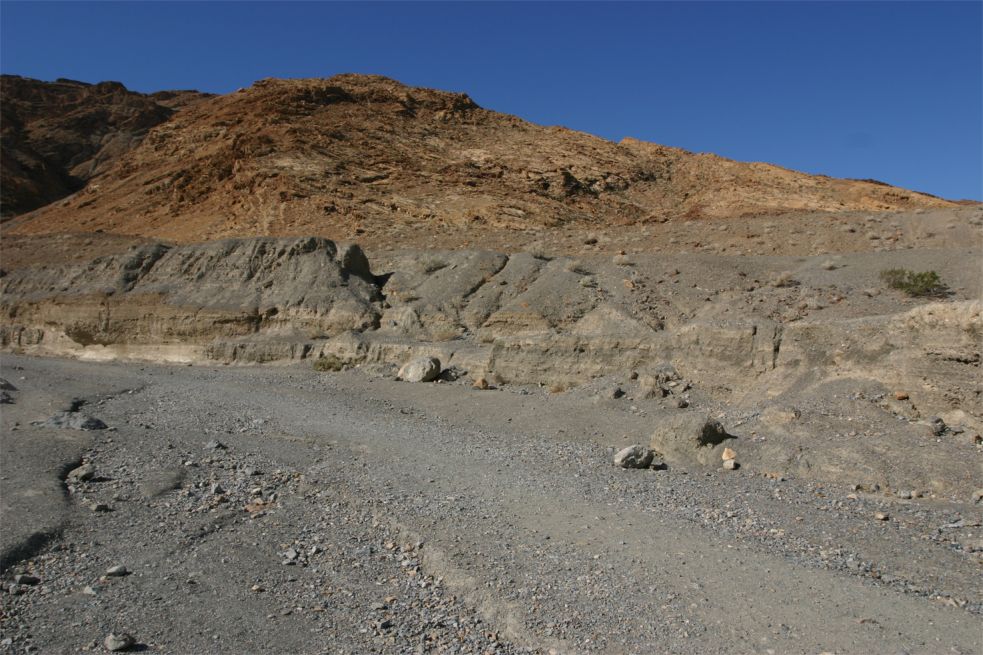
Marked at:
<point>886,90</point>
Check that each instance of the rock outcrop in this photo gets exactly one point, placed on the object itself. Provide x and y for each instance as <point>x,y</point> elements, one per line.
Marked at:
<point>358,156</point>
<point>58,135</point>
<point>189,296</point>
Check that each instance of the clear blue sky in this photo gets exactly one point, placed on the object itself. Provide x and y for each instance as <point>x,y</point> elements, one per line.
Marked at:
<point>888,90</point>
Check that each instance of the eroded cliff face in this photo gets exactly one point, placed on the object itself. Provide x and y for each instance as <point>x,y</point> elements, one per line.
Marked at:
<point>786,348</point>
<point>521,318</point>
<point>59,135</point>
<point>157,295</point>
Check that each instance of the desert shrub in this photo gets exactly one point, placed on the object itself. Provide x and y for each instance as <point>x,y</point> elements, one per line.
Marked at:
<point>574,266</point>
<point>783,279</point>
<point>926,283</point>
<point>328,363</point>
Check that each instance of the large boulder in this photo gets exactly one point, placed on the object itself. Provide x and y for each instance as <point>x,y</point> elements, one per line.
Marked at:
<point>689,438</point>
<point>633,457</point>
<point>421,369</point>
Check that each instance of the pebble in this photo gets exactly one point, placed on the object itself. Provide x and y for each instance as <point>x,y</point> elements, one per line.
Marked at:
<point>728,454</point>
<point>978,496</point>
<point>731,465</point>
<point>117,642</point>
<point>117,571</point>
<point>26,579</point>
<point>101,507</point>
<point>215,445</point>
<point>881,516</point>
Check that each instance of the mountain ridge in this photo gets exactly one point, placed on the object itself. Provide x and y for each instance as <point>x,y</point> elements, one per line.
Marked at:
<point>342,156</point>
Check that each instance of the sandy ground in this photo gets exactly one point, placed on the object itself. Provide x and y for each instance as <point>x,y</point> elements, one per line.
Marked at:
<point>350,513</point>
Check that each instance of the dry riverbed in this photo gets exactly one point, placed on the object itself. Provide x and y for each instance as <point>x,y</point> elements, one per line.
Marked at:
<point>266,509</point>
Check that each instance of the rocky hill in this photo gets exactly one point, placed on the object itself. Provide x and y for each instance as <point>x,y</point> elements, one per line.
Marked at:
<point>58,135</point>
<point>362,156</point>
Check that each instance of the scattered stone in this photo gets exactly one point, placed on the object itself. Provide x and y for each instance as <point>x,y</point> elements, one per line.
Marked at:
<point>214,444</point>
<point>290,554</point>
<point>217,489</point>
<point>6,398</point>
<point>978,496</point>
<point>23,578</point>
<point>6,386</point>
<point>481,384</point>
<point>633,457</point>
<point>73,421</point>
<point>89,590</point>
<point>101,507</point>
<point>904,494</point>
<point>881,516</point>
<point>900,395</point>
<point>117,642</point>
<point>682,403</point>
<point>15,590</point>
<point>421,369</point>
<point>117,571</point>
<point>83,473</point>
<point>731,465</point>
<point>728,454</point>
<point>938,426</point>
<point>615,393</point>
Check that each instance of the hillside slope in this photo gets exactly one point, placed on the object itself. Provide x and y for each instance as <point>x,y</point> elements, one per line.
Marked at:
<point>58,135</point>
<point>353,154</point>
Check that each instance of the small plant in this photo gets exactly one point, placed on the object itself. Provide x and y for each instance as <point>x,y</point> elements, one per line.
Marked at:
<point>926,283</point>
<point>783,279</point>
<point>328,363</point>
<point>574,266</point>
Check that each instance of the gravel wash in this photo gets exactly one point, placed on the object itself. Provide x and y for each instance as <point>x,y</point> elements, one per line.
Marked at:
<point>256,510</point>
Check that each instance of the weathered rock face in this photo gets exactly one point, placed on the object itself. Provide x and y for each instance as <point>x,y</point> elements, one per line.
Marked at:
<point>522,318</point>
<point>58,135</point>
<point>355,152</point>
<point>158,295</point>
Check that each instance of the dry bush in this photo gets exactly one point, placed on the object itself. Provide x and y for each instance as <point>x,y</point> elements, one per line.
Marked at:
<point>783,279</point>
<point>926,283</point>
<point>328,363</point>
